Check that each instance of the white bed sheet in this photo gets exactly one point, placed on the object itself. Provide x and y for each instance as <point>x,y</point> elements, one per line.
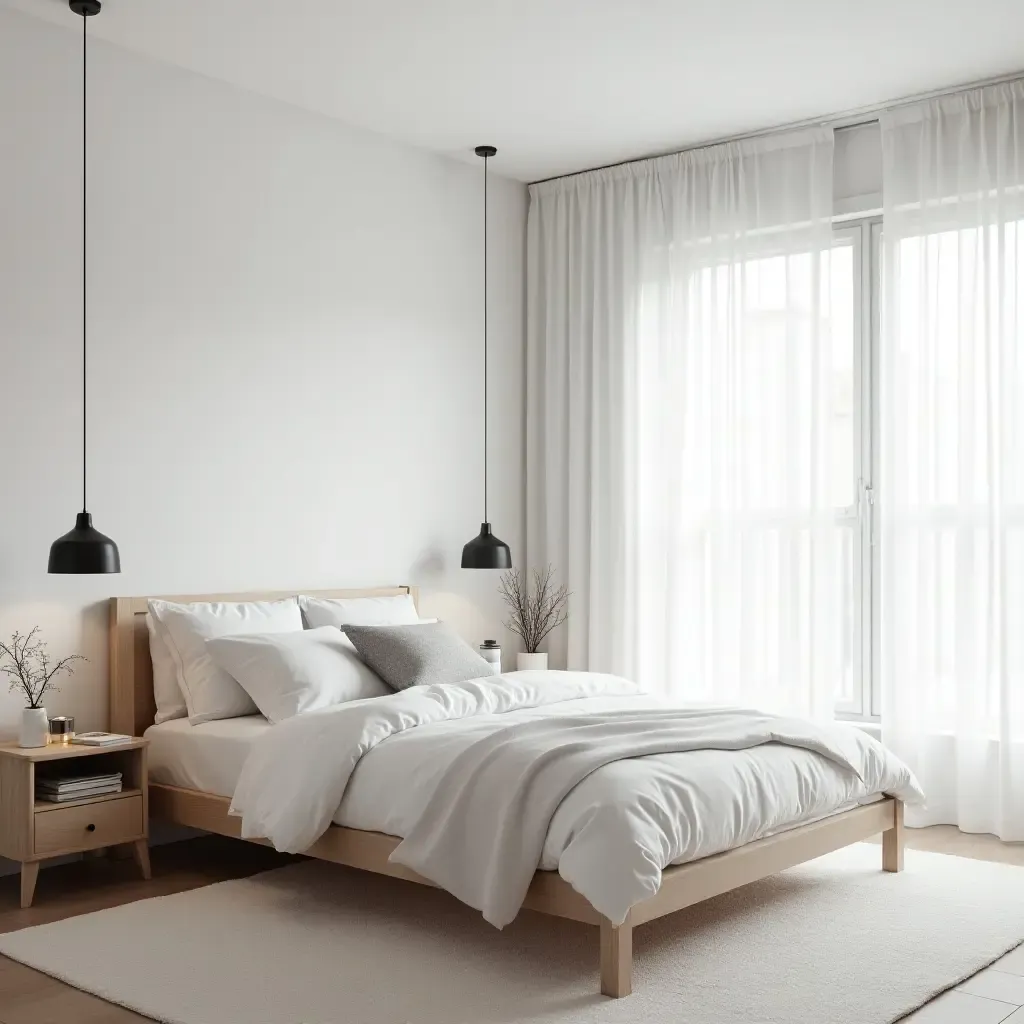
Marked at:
<point>394,780</point>
<point>207,757</point>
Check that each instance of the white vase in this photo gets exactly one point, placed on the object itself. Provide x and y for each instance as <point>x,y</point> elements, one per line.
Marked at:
<point>35,728</point>
<point>534,661</point>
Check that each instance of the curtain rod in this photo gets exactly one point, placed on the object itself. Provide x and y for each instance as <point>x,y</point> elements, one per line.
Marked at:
<point>856,117</point>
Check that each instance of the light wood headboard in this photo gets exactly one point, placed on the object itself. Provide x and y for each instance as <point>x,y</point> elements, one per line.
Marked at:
<point>132,707</point>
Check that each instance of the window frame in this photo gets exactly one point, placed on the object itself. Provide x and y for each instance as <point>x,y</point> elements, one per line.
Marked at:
<point>865,235</point>
<point>872,227</point>
<point>852,515</point>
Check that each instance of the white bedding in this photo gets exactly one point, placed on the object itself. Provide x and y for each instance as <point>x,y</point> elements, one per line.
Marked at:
<point>375,765</point>
<point>732,788</point>
<point>207,757</point>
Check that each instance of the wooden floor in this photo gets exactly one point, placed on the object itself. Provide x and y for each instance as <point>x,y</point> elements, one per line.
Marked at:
<point>28,997</point>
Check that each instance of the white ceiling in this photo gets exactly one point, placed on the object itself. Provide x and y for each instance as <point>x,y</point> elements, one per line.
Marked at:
<point>563,85</point>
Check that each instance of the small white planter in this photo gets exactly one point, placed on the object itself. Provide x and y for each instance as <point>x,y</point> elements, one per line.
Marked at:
<point>534,661</point>
<point>35,728</point>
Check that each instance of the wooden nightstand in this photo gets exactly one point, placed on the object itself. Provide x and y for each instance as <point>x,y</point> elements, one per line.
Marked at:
<point>32,830</point>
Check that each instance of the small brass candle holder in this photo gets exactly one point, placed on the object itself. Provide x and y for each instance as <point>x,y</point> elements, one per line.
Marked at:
<point>62,730</point>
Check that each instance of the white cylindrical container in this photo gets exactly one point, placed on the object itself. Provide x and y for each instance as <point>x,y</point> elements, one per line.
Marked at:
<point>528,661</point>
<point>35,728</point>
<point>490,651</point>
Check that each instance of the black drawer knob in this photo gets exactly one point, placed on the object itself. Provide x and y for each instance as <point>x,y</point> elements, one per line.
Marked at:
<point>90,828</point>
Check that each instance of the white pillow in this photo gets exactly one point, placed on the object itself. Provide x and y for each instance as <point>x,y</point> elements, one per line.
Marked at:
<point>210,692</point>
<point>170,703</point>
<point>359,611</point>
<point>287,674</point>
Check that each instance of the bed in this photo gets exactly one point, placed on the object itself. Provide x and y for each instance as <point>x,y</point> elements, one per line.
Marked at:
<point>195,768</point>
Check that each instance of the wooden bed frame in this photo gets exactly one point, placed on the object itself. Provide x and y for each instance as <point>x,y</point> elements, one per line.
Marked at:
<point>132,709</point>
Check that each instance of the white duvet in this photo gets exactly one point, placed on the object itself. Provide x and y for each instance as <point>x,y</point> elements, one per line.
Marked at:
<point>575,771</point>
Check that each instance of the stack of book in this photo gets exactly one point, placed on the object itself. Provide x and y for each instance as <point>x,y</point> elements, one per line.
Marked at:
<point>58,789</point>
<point>99,739</point>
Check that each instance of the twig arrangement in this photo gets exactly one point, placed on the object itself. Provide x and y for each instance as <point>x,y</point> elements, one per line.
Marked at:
<point>26,662</point>
<point>536,610</point>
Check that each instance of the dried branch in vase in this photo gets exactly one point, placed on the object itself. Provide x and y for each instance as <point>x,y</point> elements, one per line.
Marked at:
<point>26,663</point>
<point>535,610</point>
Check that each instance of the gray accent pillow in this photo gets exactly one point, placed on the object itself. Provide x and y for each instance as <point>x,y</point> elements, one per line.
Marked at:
<point>417,655</point>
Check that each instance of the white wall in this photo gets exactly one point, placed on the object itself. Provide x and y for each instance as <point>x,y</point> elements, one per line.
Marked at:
<point>285,350</point>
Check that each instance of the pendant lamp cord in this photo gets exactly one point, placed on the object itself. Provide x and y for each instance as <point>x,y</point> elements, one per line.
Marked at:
<point>85,137</point>
<point>486,520</point>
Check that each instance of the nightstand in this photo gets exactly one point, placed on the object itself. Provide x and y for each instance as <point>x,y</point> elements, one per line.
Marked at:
<point>33,830</point>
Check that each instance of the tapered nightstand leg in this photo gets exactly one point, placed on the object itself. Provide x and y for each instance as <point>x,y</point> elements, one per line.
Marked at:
<point>140,851</point>
<point>29,874</point>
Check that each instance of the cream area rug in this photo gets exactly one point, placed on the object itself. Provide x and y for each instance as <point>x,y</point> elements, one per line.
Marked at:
<point>834,941</point>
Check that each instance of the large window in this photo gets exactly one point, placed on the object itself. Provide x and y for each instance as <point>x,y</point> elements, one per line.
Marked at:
<point>952,496</point>
<point>849,312</point>
<point>761,556</point>
<point>955,536</point>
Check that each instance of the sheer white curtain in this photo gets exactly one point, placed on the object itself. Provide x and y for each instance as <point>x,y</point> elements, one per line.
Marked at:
<point>952,455</point>
<point>685,401</point>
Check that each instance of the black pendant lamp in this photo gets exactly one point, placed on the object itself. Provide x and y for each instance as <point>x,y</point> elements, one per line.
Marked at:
<point>83,549</point>
<point>485,551</point>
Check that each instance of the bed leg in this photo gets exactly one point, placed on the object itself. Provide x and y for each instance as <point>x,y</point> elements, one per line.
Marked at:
<point>617,959</point>
<point>892,841</point>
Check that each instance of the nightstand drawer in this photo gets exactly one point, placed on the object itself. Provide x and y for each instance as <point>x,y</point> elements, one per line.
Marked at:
<point>85,826</point>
